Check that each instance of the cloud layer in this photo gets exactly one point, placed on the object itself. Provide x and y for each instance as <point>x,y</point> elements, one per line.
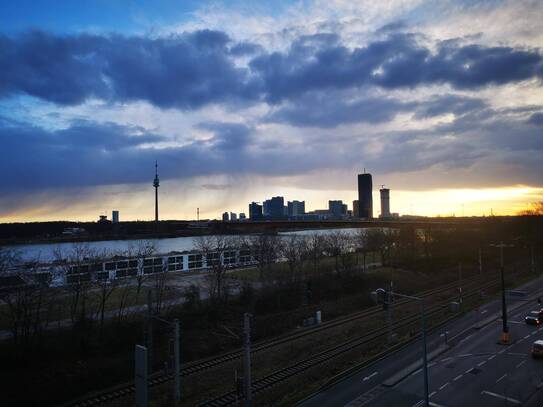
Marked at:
<point>194,69</point>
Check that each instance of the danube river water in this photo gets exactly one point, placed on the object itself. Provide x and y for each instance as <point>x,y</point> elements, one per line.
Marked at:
<point>46,252</point>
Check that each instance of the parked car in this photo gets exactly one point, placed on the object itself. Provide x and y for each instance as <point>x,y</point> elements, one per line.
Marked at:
<point>537,348</point>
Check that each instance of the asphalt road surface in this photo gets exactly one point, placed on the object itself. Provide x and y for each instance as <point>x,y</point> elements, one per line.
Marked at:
<point>472,369</point>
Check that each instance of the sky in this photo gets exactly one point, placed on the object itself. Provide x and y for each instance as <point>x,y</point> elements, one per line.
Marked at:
<point>239,101</point>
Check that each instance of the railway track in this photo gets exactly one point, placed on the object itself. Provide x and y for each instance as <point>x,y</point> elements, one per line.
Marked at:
<point>201,365</point>
<point>297,368</point>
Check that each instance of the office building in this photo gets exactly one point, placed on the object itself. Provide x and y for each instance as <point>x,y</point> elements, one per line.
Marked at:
<point>356,213</point>
<point>233,216</point>
<point>295,208</point>
<point>242,216</point>
<point>276,207</point>
<point>337,209</point>
<point>385,202</point>
<point>365,199</point>
<point>115,216</point>
<point>255,211</point>
<point>225,217</point>
<point>266,208</point>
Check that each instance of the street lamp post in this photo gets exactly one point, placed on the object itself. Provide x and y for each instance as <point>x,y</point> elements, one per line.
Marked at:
<point>381,295</point>
<point>505,337</point>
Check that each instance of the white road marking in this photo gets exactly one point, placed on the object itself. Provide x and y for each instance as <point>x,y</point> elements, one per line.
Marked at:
<point>465,355</point>
<point>500,397</point>
<point>419,404</point>
<point>445,385</point>
<point>520,364</point>
<point>503,350</point>
<point>446,359</point>
<point>526,337</point>
<point>501,378</point>
<point>436,405</point>
<point>457,377</point>
<point>517,322</point>
<point>369,377</point>
<point>484,311</point>
<point>432,394</point>
<point>469,370</point>
<point>481,363</point>
<point>491,357</point>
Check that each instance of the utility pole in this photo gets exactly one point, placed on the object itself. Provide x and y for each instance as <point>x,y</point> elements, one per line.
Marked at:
<point>480,263</point>
<point>141,377</point>
<point>176,362</point>
<point>460,283</point>
<point>149,333</point>
<point>425,361</point>
<point>379,296</point>
<point>198,214</point>
<point>532,262</point>
<point>390,300</point>
<point>247,359</point>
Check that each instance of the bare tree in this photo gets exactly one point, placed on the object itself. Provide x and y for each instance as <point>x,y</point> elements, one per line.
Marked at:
<point>24,294</point>
<point>291,252</point>
<point>77,266</point>
<point>315,247</point>
<point>159,287</point>
<point>105,288</point>
<point>347,249</point>
<point>334,246</point>
<point>213,248</point>
<point>140,251</point>
<point>265,249</point>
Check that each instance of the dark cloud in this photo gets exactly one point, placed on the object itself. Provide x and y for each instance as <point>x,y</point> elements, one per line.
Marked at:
<point>325,110</point>
<point>245,48</point>
<point>190,70</point>
<point>536,119</point>
<point>321,109</point>
<point>457,105</point>
<point>228,136</point>
<point>185,71</point>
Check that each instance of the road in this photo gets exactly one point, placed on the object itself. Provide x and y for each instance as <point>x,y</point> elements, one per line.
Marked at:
<point>472,369</point>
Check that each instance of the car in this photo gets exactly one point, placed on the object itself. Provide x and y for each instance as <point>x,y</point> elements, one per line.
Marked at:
<point>532,320</point>
<point>537,349</point>
<point>538,314</point>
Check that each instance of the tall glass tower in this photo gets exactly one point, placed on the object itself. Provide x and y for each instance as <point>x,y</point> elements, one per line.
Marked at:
<point>365,200</point>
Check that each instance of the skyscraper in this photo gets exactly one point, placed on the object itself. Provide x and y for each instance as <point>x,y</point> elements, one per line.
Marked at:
<point>365,200</point>
<point>385,202</point>
<point>356,213</point>
<point>115,217</point>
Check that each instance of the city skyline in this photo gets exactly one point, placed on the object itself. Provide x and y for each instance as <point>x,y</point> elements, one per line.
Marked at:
<point>442,103</point>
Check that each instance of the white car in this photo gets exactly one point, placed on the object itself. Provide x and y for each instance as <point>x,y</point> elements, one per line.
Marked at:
<point>537,348</point>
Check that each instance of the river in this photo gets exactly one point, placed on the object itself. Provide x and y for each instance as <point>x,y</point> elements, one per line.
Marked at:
<point>45,253</point>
